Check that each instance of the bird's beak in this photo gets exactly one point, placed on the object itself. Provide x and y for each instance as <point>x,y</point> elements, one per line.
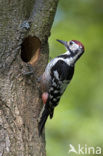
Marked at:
<point>63,42</point>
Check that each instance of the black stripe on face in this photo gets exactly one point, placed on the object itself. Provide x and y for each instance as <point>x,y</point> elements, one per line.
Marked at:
<point>72,54</point>
<point>64,56</point>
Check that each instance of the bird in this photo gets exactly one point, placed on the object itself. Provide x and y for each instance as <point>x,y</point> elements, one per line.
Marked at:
<point>56,77</point>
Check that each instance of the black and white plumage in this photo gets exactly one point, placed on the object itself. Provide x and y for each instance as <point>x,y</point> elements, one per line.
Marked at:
<point>56,78</point>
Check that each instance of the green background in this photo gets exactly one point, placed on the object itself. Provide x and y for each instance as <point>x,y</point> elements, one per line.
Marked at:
<point>78,119</point>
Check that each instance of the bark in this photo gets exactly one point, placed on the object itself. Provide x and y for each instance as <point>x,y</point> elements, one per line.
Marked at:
<point>24,30</point>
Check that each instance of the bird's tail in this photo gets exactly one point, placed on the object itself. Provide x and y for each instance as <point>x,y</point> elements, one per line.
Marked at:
<point>42,119</point>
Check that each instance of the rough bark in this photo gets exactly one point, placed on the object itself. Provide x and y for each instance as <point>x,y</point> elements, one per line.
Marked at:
<point>24,30</point>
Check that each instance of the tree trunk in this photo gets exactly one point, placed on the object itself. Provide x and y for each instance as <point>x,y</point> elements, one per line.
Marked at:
<point>24,30</point>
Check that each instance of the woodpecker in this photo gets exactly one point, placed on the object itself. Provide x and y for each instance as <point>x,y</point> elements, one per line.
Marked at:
<point>56,77</point>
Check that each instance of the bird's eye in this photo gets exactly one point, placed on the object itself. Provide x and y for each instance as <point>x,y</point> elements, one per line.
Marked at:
<point>70,42</point>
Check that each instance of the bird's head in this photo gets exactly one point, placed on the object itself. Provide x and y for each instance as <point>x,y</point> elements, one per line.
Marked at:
<point>75,48</point>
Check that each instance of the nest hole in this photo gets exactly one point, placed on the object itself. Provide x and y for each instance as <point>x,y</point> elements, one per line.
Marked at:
<point>30,49</point>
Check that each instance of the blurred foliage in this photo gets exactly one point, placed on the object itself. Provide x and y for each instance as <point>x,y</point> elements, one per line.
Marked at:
<point>79,117</point>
